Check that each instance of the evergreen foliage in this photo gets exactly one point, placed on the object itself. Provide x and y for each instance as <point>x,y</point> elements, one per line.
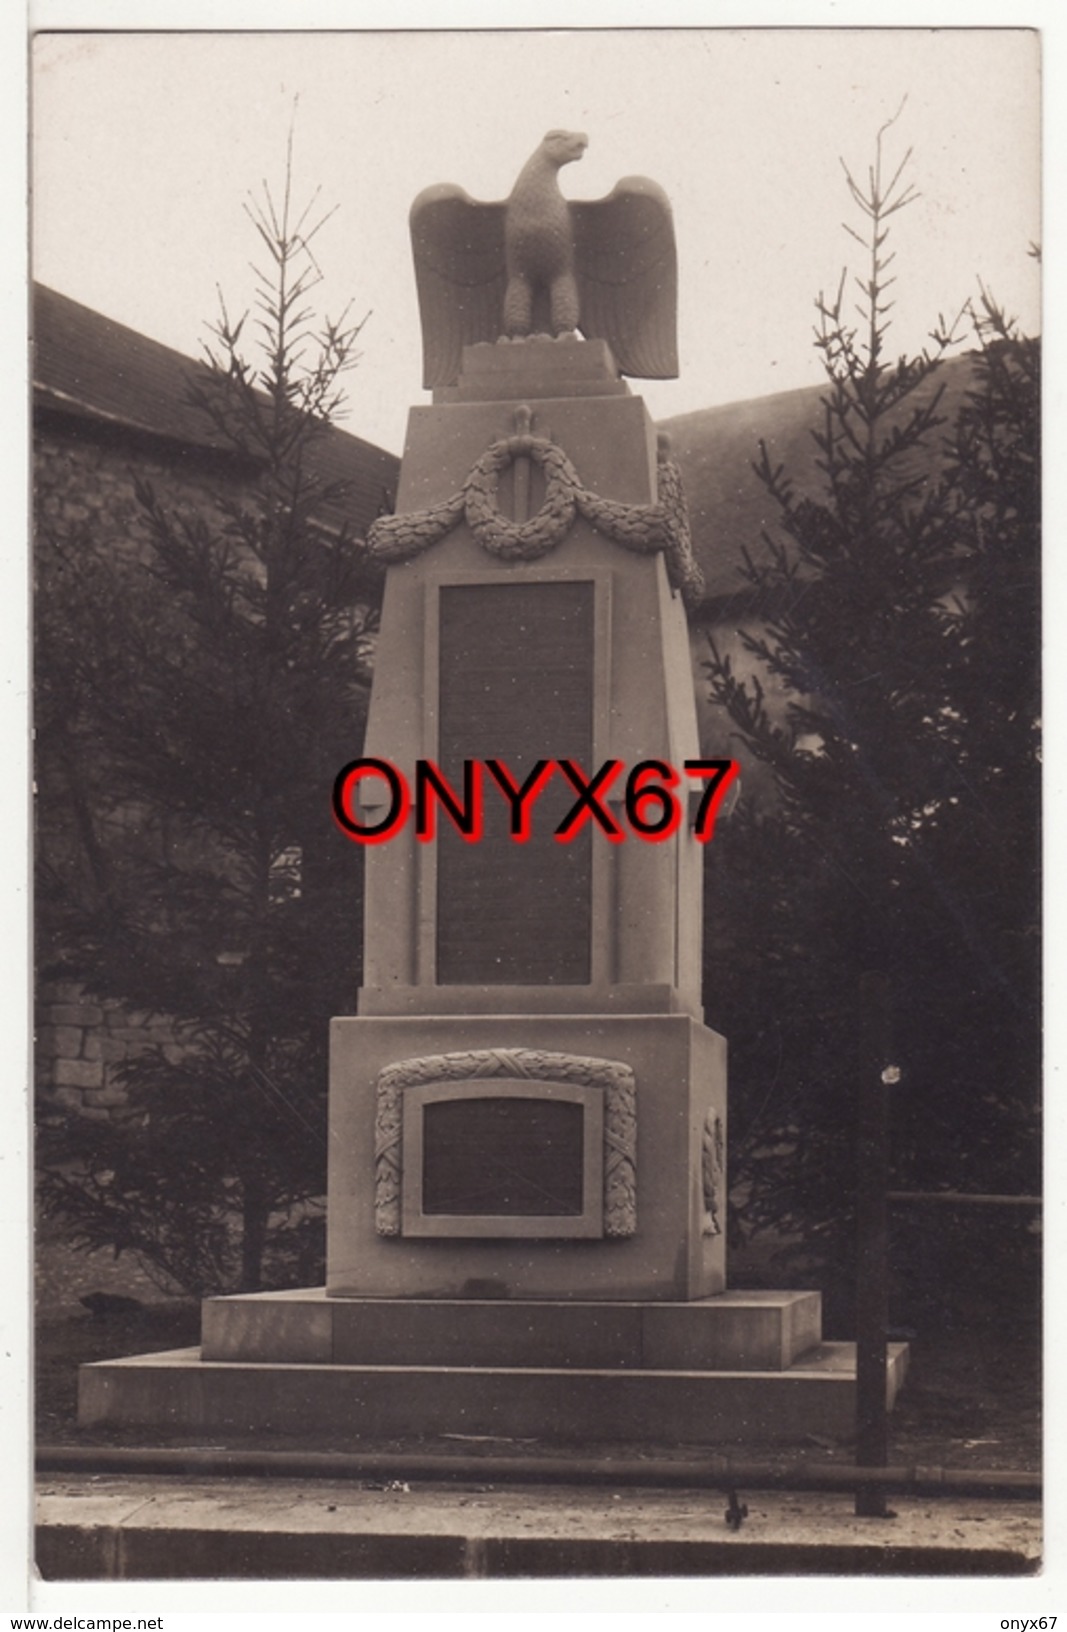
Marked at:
<point>195,704</point>
<point>900,628</point>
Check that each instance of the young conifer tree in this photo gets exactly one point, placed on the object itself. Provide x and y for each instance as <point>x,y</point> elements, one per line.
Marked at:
<point>868,698</point>
<point>210,690</point>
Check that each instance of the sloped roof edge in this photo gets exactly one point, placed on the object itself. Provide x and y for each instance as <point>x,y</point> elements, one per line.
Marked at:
<point>89,366</point>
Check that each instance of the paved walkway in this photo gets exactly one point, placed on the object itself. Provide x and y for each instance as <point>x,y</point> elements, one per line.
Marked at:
<point>146,1527</point>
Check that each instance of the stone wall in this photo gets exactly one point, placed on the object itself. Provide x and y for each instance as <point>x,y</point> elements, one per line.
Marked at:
<point>85,481</point>
<point>85,489</point>
<point>86,471</point>
<point>81,1042</point>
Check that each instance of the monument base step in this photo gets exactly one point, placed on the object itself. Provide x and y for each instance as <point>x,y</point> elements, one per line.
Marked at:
<point>182,1392</point>
<point>733,1331</point>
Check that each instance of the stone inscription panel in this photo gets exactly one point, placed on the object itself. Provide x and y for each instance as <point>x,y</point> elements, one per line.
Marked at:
<point>504,1157</point>
<point>516,684</point>
<point>499,1157</point>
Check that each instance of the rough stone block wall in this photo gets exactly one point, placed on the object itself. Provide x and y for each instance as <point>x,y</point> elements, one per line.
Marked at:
<point>81,1042</point>
<point>85,478</point>
<point>85,487</point>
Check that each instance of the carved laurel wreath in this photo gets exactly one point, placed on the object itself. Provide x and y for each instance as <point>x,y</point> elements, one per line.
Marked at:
<point>620,1119</point>
<point>713,1171</point>
<point>643,528</point>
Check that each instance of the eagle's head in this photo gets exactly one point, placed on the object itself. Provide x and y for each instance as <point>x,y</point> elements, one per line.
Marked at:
<point>564,146</point>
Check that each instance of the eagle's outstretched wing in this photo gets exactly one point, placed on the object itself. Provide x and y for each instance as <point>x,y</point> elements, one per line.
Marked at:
<point>458,245</point>
<point>627,270</point>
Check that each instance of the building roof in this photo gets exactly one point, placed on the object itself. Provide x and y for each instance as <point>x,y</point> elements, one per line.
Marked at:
<point>730,508</point>
<point>90,368</point>
<point>87,367</point>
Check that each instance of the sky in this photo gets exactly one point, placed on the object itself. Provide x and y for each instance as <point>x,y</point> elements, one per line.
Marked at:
<point>146,147</point>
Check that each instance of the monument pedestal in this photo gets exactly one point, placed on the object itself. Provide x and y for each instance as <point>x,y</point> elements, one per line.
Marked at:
<point>577,1157</point>
<point>742,1368</point>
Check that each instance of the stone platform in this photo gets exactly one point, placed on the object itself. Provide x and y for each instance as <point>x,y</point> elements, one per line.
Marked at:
<point>736,1331</point>
<point>740,1368</point>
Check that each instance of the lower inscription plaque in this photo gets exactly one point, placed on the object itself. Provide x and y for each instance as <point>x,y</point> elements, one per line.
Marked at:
<point>503,1157</point>
<point>512,1157</point>
<point>509,1142</point>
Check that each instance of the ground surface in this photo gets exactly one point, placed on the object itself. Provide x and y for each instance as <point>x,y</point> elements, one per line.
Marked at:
<point>971,1402</point>
<point>971,1399</point>
<point>148,1528</point>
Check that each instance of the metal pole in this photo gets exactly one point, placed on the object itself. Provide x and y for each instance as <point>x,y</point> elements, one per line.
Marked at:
<point>964,1198</point>
<point>872,1243</point>
<point>713,1471</point>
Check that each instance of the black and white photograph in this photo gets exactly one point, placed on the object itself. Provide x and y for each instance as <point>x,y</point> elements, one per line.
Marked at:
<point>536,597</point>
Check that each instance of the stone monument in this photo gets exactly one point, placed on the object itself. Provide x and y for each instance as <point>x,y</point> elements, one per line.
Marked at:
<point>527,1173</point>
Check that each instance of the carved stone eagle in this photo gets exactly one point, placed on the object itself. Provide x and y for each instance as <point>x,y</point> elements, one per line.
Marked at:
<point>536,263</point>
